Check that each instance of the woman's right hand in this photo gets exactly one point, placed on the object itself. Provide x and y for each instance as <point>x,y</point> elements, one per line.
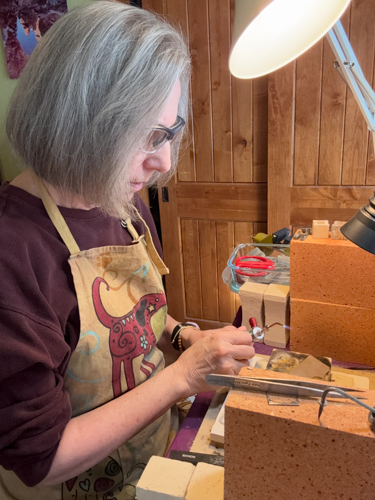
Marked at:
<point>225,354</point>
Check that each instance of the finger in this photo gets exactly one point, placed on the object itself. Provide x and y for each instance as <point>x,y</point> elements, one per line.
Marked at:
<point>239,364</point>
<point>228,327</point>
<point>238,352</point>
<point>239,337</point>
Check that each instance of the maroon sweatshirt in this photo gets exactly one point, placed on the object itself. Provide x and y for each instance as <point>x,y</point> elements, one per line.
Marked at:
<point>39,322</point>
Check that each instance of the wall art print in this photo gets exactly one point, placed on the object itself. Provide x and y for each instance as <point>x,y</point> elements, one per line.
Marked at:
<point>23,23</point>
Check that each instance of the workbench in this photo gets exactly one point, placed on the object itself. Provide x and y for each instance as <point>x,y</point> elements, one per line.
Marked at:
<point>194,433</point>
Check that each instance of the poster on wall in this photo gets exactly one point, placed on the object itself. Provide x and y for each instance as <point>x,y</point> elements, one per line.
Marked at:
<point>23,23</point>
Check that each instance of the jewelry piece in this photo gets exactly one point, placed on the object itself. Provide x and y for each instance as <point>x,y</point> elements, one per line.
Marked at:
<point>176,339</point>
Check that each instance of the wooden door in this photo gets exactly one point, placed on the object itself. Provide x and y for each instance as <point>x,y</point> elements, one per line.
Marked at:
<point>218,197</point>
<point>321,162</point>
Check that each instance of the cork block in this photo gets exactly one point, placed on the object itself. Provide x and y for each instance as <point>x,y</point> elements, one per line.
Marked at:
<point>332,271</point>
<point>164,479</point>
<point>251,296</point>
<point>341,332</point>
<point>207,483</point>
<point>276,309</point>
<point>285,452</point>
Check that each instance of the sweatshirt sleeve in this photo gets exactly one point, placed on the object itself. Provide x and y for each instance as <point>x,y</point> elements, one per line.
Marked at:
<point>34,407</point>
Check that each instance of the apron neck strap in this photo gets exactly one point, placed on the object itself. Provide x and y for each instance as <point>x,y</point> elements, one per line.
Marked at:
<point>67,237</point>
<point>155,257</point>
<point>56,217</point>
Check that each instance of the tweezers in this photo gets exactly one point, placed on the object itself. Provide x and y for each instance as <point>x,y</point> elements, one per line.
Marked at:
<point>286,387</point>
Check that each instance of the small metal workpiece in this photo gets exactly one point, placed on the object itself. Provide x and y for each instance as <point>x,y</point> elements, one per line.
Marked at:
<point>256,332</point>
<point>323,403</point>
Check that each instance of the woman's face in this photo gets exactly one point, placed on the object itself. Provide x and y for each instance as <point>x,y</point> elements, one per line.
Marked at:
<point>25,27</point>
<point>144,165</point>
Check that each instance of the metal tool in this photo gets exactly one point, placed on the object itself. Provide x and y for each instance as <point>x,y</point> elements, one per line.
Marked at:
<point>339,390</point>
<point>286,387</point>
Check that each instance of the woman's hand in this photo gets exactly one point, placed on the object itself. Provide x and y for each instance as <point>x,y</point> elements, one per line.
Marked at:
<point>223,351</point>
<point>191,335</point>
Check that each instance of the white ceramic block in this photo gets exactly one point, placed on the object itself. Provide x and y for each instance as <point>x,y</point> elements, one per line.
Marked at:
<point>164,479</point>
<point>207,483</point>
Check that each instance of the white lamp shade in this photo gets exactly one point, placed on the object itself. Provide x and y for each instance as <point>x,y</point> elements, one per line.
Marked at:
<point>268,34</point>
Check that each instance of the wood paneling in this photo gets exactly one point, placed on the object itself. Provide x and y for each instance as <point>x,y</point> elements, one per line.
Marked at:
<point>224,245</point>
<point>326,203</point>
<point>260,129</point>
<point>280,144</point>
<point>207,238</point>
<point>201,88</point>
<point>242,202</point>
<point>158,6</point>
<point>320,164</point>
<point>171,229</point>
<point>307,119</point>
<point>283,149</point>
<point>219,22</point>
<point>362,39</point>
<point>219,196</point>
<point>178,15</point>
<point>243,130</point>
<point>192,269</point>
<point>206,248</point>
<point>333,103</point>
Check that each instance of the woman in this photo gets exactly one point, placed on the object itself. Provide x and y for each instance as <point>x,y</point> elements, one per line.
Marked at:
<point>85,395</point>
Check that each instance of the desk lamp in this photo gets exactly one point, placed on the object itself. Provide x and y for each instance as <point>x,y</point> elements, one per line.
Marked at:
<point>268,34</point>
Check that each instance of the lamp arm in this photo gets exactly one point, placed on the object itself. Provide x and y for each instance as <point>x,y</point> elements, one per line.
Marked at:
<point>349,68</point>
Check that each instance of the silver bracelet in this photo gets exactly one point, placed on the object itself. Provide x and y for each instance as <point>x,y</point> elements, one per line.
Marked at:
<point>192,324</point>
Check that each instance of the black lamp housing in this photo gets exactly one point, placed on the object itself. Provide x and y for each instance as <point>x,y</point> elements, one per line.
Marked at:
<point>361,228</point>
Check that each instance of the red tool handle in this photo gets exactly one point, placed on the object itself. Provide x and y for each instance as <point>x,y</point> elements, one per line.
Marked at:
<point>247,262</point>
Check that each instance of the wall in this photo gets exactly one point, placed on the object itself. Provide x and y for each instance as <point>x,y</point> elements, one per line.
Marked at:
<point>8,166</point>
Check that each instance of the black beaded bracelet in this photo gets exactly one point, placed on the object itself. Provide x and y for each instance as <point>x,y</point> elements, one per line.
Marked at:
<point>176,339</point>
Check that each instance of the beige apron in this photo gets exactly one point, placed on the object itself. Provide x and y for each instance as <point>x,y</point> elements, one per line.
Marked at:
<point>123,311</point>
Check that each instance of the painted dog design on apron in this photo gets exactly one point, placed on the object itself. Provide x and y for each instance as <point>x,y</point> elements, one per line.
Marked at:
<point>130,336</point>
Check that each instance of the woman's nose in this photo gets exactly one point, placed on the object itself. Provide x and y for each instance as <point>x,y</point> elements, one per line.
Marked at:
<point>161,159</point>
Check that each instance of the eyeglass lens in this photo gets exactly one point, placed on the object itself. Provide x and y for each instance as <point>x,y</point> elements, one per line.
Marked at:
<point>157,139</point>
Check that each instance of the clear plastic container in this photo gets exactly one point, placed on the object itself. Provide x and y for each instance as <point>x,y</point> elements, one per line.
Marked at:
<point>278,254</point>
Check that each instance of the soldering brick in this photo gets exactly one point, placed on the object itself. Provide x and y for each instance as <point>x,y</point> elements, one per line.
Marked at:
<point>164,479</point>
<point>207,483</point>
<point>285,452</point>
<point>251,296</point>
<point>343,333</point>
<point>276,309</point>
<point>332,271</point>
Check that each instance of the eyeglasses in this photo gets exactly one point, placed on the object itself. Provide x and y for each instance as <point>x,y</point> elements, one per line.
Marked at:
<point>160,135</point>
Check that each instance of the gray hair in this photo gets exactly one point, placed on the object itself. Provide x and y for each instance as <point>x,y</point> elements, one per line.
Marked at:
<point>84,105</point>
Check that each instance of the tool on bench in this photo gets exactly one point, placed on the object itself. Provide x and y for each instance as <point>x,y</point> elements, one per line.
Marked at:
<point>302,234</point>
<point>338,390</point>
<point>286,387</point>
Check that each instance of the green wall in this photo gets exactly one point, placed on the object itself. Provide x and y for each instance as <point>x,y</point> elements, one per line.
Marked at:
<point>8,166</point>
